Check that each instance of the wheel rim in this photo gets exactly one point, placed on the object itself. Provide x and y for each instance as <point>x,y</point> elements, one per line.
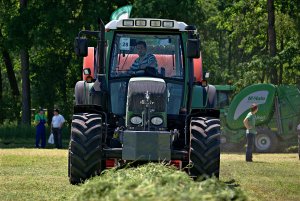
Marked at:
<point>263,142</point>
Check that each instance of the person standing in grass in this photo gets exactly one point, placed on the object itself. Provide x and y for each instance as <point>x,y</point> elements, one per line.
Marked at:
<point>40,121</point>
<point>249,123</point>
<point>56,126</point>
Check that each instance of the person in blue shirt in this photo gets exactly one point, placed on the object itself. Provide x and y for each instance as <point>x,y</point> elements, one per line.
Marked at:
<point>40,121</point>
<point>249,123</point>
<point>144,60</point>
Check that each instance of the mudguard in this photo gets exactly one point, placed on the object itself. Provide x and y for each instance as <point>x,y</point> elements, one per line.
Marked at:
<point>211,96</point>
<point>82,92</point>
<point>204,97</point>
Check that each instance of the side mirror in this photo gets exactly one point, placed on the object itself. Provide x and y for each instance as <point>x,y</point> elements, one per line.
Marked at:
<point>206,75</point>
<point>87,71</point>
<point>81,47</point>
<point>193,48</point>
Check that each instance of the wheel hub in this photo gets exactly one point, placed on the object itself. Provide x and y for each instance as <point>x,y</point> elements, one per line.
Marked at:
<point>263,142</point>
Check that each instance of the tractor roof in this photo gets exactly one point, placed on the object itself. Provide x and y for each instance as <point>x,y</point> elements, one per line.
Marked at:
<point>146,23</point>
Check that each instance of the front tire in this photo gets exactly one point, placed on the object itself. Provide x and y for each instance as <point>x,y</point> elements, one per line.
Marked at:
<point>204,147</point>
<point>85,149</point>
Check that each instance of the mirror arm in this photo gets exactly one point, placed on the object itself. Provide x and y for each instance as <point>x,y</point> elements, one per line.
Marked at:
<point>101,47</point>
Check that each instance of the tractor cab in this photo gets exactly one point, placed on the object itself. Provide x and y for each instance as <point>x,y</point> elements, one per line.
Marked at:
<point>161,57</point>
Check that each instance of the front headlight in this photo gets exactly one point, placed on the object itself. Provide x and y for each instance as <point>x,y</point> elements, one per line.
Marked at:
<point>156,121</point>
<point>136,120</point>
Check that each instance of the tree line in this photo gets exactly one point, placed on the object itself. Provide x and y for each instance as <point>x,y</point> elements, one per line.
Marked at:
<point>242,42</point>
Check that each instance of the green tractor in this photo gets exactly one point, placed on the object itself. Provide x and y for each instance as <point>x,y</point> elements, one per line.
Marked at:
<point>130,111</point>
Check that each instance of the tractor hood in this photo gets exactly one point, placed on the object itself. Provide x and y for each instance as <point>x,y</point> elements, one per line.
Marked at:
<point>137,89</point>
<point>146,98</point>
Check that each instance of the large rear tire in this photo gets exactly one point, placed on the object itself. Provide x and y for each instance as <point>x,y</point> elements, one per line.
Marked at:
<point>85,148</point>
<point>205,147</point>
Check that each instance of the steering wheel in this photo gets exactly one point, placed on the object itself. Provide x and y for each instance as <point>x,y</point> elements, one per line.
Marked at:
<point>148,71</point>
<point>151,71</point>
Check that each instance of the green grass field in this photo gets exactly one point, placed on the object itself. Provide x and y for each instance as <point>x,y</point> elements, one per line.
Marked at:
<point>269,177</point>
<point>41,174</point>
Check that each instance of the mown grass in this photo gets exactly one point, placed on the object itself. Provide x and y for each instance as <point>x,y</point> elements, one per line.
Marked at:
<point>155,182</point>
<point>41,174</point>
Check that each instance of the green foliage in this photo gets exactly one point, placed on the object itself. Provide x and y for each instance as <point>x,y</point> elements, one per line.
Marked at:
<point>155,182</point>
<point>12,136</point>
<point>189,11</point>
<point>233,42</point>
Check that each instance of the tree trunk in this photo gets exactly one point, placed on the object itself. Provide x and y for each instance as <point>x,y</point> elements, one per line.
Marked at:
<point>10,73</point>
<point>229,57</point>
<point>25,76</point>
<point>281,63</point>
<point>272,39</point>
<point>266,71</point>
<point>25,86</point>
<point>1,87</point>
<point>50,108</point>
<point>263,75</point>
<point>1,96</point>
<point>23,3</point>
<point>220,49</point>
<point>13,84</point>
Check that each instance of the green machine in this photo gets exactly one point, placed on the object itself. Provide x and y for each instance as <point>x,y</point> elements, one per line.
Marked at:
<point>277,117</point>
<point>163,112</point>
<point>224,95</point>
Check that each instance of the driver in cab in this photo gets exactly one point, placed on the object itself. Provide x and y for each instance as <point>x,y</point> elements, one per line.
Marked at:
<point>144,60</point>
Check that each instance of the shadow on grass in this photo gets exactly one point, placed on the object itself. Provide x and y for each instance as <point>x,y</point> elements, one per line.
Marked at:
<point>27,143</point>
<point>231,184</point>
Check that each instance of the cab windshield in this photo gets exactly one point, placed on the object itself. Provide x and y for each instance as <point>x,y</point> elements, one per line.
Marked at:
<point>137,54</point>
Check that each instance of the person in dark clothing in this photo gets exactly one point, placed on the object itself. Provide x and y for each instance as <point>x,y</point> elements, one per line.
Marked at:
<point>249,123</point>
<point>144,60</point>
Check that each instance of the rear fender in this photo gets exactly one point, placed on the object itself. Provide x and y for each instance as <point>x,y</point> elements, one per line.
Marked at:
<point>82,92</point>
<point>211,95</point>
<point>204,97</point>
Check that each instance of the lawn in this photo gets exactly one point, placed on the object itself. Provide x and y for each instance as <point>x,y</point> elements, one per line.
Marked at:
<point>269,177</point>
<point>34,174</point>
<point>41,174</point>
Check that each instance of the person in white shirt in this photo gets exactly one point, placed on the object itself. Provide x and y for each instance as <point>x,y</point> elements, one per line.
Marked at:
<point>56,126</point>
